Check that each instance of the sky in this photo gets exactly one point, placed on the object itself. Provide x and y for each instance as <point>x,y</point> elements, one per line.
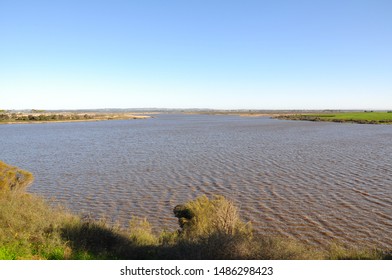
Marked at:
<point>196,54</point>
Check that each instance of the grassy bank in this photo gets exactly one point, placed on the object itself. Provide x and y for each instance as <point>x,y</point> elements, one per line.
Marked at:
<point>209,228</point>
<point>357,117</point>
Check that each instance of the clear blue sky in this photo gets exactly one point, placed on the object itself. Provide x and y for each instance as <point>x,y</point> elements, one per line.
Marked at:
<point>187,54</point>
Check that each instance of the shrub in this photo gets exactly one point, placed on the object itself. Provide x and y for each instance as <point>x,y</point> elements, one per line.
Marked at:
<point>212,229</point>
<point>140,232</point>
<point>204,217</point>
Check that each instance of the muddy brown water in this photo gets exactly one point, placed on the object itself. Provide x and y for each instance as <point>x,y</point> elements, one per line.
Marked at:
<point>313,181</point>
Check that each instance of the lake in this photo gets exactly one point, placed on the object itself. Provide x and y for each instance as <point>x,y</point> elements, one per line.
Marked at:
<point>309,180</point>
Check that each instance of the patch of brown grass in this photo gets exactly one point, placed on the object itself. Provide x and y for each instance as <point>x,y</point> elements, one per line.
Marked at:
<point>13,178</point>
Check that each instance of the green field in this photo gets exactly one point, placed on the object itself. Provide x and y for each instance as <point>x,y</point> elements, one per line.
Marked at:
<point>353,117</point>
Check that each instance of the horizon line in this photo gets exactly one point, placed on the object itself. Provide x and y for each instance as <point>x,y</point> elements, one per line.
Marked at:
<point>190,109</point>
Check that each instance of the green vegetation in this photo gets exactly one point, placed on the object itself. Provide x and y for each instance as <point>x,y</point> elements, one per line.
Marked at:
<point>29,229</point>
<point>209,228</point>
<point>367,117</point>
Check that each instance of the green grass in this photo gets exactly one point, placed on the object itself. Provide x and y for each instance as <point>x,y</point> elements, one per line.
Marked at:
<point>209,228</point>
<point>29,227</point>
<point>354,117</point>
<point>366,116</point>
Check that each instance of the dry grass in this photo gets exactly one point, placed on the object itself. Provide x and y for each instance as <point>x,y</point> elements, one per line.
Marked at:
<point>13,178</point>
<point>342,252</point>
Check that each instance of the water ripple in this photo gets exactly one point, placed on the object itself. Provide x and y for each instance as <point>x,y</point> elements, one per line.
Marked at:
<point>317,182</point>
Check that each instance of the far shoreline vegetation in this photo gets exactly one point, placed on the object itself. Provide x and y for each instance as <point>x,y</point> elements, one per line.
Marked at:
<point>365,117</point>
<point>41,116</point>
<point>209,228</point>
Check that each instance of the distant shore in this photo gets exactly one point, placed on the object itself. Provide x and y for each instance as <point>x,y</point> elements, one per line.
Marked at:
<point>42,117</point>
<point>233,114</point>
<point>366,117</point>
<point>37,116</point>
<point>252,113</point>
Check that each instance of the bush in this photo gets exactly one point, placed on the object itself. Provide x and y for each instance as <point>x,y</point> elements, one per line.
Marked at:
<point>212,229</point>
<point>204,217</point>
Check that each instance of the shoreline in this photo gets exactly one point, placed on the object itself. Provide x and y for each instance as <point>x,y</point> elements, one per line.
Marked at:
<point>357,118</point>
<point>66,118</point>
